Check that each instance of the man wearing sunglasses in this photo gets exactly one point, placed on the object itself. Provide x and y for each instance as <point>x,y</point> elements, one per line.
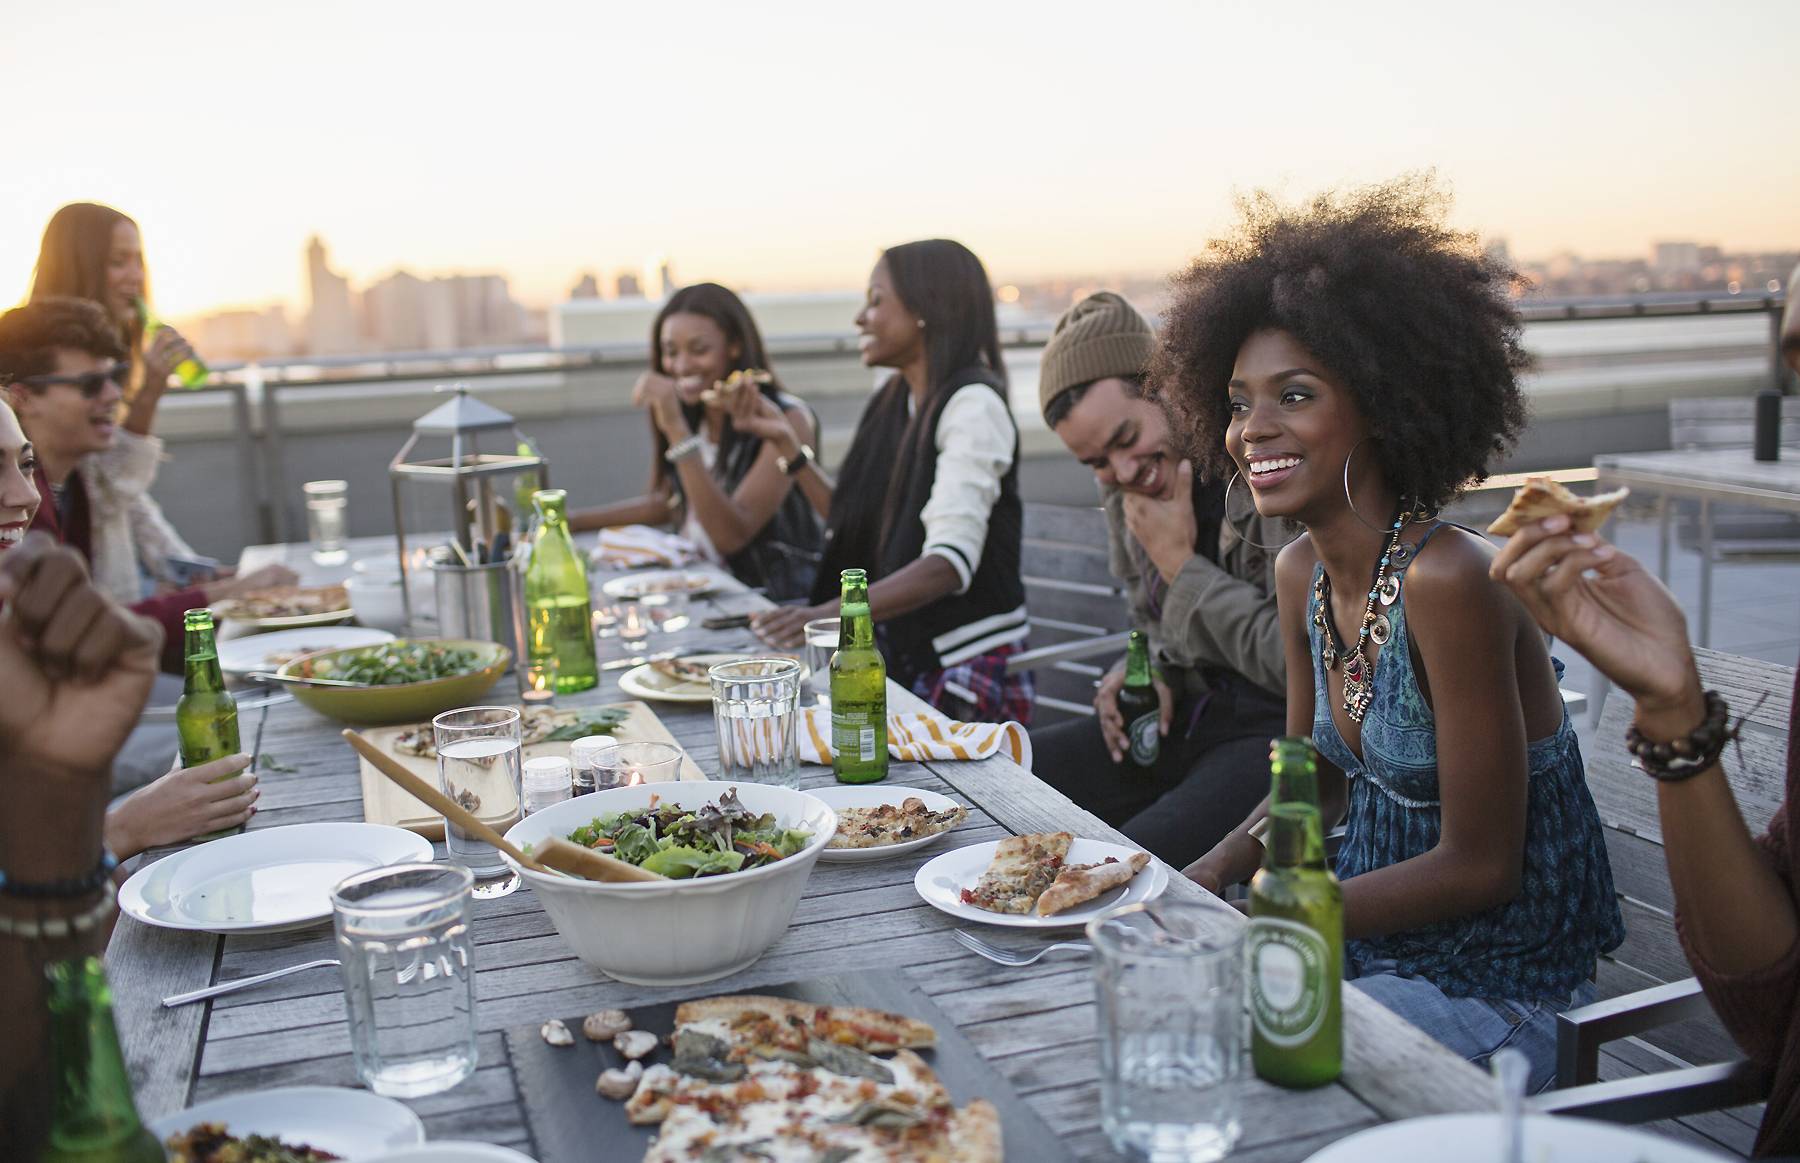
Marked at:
<point>62,363</point>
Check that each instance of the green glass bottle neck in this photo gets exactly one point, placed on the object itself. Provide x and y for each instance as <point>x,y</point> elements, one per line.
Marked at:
<point>93,1105</point>
<point>201,668</point>
<point>1296,836</point>
<point>856,627</point>
<point>1137,661</point>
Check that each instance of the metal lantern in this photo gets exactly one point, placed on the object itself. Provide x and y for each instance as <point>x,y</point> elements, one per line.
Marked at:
<point>476,539</point>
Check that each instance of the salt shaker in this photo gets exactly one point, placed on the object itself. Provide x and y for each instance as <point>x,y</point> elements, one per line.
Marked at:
<point>546,781</point>
<point>593,759</point>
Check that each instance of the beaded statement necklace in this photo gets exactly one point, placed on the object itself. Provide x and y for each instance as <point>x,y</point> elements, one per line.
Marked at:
<point>1359,671</point>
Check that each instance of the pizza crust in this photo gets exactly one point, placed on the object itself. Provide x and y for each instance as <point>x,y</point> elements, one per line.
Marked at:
<point>975,1134</point>
<point>1084,882</point>
<point>881,1030</point>
<point>1540,497</point>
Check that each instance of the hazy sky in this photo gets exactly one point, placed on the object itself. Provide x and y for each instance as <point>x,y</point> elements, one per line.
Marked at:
<point>782,144</point>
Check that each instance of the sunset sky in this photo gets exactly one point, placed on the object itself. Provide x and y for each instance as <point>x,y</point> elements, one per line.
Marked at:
<point>781,145</point>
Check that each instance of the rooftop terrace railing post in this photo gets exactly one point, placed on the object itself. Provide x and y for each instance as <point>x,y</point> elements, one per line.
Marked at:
<point>254,522</point>
<point>1778,372</point>
<point>274,461</point>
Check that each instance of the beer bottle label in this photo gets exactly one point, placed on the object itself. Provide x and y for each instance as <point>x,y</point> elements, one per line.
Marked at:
<point>1145,736</point>
<point>853,738</point>
<point>1287,964</point>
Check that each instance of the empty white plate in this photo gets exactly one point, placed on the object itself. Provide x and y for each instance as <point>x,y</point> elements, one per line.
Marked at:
<point>454,1151</point>
<point>262,881</point>
<point>353,1124</point>
<point>942,880</point>
<point>873,795</point>
<point>1477,1139</point>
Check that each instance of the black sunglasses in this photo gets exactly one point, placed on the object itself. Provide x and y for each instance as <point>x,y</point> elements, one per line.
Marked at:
<point>91,383</point>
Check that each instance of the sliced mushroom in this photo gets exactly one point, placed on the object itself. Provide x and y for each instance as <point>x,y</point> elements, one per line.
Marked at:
<point>620,1082</point>
<point>635,1044</point>
<point>605,1025</point>
<point>556,1033</point>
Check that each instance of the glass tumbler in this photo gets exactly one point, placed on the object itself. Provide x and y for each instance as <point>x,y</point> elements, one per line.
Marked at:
<point>326,505</point>
<point>755,706</point>
<point>1169,980</point>
<point>407,961</point>
<point>479,767</point>
<point>635,763</point>
<point>821,644</point>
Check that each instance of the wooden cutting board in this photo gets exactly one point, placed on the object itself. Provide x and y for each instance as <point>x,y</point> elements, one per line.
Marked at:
<point>384,802</point>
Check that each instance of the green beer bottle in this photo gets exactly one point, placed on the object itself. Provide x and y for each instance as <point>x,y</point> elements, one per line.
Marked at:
<point>858,690</point>
<point>1139,707</point>
<point>206,716</point>
<point>191,372</point>
<point>93,1118</point>
<point>559,621</point>
<point>1294,945</point>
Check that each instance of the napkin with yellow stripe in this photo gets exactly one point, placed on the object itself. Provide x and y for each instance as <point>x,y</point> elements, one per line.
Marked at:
<point>921,735</point>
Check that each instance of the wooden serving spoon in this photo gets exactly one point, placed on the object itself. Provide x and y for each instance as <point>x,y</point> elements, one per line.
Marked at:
<point>593,866</point>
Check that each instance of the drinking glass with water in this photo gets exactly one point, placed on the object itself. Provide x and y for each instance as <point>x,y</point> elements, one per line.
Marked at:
<point>1168,977</point>
<point>326,506</point>
<point>821,644</point>
<point>478,766</point>
<point>409,977</point>
<point>755,706</point>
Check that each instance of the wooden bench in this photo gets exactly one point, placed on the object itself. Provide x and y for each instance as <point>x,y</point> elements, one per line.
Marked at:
<point>1080,614</point>
<point>1669,1028</point>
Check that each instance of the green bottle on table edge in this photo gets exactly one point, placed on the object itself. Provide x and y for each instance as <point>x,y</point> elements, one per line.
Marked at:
<point>1294,944</point>
<point>93,1117</point>
<point>559,612</point>
<point>859,752</point>
<point>206,717</point>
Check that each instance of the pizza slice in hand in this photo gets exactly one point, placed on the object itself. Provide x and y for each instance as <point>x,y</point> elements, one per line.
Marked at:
<point>1540,497</point>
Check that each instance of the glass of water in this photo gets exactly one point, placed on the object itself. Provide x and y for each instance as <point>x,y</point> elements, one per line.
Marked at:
<point>645,762</point>
<point>326,503</point>
<point>755,706</point>
<point>478,767</point>
<point>821,644</point>
<point>1168,976</point>
<point>409,977</point>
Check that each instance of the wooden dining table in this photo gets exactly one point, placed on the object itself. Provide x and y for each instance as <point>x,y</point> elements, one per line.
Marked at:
<point>1035,1026</point>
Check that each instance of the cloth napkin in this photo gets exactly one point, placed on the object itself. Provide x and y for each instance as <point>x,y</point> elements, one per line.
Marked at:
<point>919,735</point>
<point>634,546</point>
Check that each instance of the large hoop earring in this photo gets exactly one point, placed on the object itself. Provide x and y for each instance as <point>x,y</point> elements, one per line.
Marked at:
<point>1347,459</point>
<point>1254,544</point>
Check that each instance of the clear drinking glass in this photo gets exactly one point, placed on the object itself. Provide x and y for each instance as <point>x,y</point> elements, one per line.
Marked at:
<point>326,503</point>
<point>821,644</point>
<point>755,706</point>
<point>409,977</point>
<point>1168,977</point>
<point>666,610</point>
<point>635,763</point>
<point>478,767</point>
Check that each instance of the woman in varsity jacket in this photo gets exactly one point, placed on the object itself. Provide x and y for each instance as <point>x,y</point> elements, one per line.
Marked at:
<point>928,498</point>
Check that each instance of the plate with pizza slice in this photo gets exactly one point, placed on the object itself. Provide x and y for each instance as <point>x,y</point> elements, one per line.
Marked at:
<point>876,822</point>
<point>632,586</point>
<point>1039,880</point>
<point>685,679</point>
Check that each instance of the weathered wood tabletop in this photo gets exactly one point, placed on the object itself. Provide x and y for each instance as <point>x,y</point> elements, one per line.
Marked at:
<point>1034,1025</point>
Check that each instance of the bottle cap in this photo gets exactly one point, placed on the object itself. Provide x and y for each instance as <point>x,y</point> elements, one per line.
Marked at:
<point>547,769</point>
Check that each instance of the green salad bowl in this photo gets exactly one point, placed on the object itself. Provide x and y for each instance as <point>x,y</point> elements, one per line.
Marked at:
<point>404,702</point>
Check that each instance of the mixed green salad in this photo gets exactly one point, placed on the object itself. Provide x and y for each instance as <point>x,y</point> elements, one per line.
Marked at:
<point>680,842</point>
<point>393,663</point>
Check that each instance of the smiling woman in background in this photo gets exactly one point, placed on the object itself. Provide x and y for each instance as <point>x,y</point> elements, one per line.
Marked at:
<point>96,253</point>
<point>928,500</point>
<point>721,484</point>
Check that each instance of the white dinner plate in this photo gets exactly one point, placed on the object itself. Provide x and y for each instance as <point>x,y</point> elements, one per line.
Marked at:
<point>845,795</point>
<point>353,1124</point>
<point>453,1151</point>
<point>659,581</point>
<point>242,655</point>
<point>646,682</point>
<point>943,878</point>
<point>1476,1139</point>
<point>263,881</point>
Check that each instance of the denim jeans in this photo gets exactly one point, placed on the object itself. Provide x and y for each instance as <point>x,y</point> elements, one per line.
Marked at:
<point>1475,1027</point>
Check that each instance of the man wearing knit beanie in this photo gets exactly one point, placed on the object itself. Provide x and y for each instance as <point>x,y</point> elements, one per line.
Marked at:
<point>1200,590</point>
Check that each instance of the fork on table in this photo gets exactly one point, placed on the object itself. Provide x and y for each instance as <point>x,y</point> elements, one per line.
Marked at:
<point>1013,957</point>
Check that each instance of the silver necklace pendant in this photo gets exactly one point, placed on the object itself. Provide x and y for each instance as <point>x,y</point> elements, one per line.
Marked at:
<point>1390,589</point>
<point>1379,630</point>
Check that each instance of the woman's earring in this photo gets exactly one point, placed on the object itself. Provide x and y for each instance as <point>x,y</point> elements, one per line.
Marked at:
<point>921,325</point>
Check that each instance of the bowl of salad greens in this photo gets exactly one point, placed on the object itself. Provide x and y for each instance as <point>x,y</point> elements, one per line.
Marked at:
<point>734,858</point>
<point>404,681</point>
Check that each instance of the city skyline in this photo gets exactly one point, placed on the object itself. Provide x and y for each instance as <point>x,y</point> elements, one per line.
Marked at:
<point>781,147</point>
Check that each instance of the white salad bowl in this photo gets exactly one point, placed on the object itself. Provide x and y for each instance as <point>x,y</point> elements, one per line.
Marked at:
<point>676,932</point>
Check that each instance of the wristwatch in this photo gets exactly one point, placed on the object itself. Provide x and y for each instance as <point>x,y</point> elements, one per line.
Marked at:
<point>800,461</point>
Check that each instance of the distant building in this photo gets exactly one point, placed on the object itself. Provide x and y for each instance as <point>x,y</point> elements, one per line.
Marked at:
<point>330,320</point>
<point>628,286</point>
<point>587,288</point>
<point>1676,258</point>
<point>247,334</point>
<point>591,322</point>
<point>405,313</point>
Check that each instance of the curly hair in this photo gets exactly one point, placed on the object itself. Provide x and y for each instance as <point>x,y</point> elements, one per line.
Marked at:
<point>1409,314</point>
<point>31,335</point>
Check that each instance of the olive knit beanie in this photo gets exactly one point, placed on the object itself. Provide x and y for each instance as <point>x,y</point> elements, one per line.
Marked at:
<point>1100,337</point>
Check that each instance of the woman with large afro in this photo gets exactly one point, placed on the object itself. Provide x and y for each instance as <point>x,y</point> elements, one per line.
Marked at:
<point>1353,363</point>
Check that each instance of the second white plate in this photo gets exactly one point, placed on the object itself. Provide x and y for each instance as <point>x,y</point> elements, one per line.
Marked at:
<point>266,651</point>
<point>846,795</point>
<point>646,682</point>
<point>942,880</point>
<point>659,581</point>
<point>352,1124</point>
<point>264,881</point>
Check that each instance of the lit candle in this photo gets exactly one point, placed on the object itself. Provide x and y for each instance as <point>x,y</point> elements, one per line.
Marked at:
<point>630,777</point>
<point>539,689</point>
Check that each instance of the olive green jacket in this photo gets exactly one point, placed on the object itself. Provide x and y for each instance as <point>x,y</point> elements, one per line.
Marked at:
<point>1212,615</point>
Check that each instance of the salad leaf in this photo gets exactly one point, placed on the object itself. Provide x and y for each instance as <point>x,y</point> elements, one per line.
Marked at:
<point>600,722</point>
<point>680,862</point>
<point>713,839</point>
<point>635,843</point>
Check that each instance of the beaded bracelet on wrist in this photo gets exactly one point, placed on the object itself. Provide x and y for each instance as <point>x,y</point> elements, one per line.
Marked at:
<point>684,448</point>
<point>70,889</point>
<point>1688,756</point>
<point>59,928</point>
